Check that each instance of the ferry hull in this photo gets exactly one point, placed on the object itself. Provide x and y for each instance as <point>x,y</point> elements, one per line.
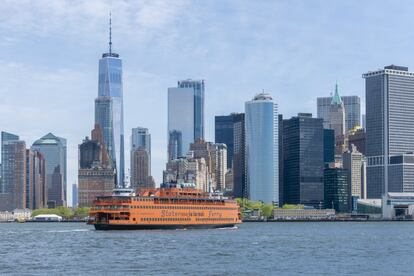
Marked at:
<point>159,226</point>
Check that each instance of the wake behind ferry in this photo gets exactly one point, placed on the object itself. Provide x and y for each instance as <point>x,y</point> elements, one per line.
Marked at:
<point>172,206</point>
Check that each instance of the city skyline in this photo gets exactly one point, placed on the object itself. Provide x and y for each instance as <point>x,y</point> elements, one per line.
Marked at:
<point>70,70</point>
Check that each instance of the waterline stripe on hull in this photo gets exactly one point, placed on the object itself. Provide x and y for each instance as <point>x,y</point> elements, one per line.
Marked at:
<point>159,226</point>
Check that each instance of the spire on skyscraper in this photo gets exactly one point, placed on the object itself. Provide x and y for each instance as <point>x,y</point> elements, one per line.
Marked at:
<point>336,99</point>
<point>110,33</point>
<point>110,53</point>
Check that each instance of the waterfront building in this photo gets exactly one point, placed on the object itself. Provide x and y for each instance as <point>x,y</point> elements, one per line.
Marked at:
<point>75,195</point>
<point>36,190</point>
<point>303,214</point>
<point>352,106</point>
<point>141,159</point>
<point>185,116</point>
<point>389,123</point>
<point>357,137</point>
<point>96,176</point>
<point>303,160</point>
<point>352,162</point>
<point>109,109</point>
<point>13,155</point>
<point>261,126</point>
<point>337,191</point>
<point>53,149</point>
<point>401,173</point>
<point>398,206</point>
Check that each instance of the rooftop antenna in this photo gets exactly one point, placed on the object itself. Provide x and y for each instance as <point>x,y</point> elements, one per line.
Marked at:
<point>110,33</point>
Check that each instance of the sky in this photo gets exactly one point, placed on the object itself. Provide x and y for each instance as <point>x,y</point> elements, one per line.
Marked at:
<point>295,50</point>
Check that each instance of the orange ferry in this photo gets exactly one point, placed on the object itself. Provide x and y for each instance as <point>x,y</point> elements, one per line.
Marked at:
<point>173,206</point>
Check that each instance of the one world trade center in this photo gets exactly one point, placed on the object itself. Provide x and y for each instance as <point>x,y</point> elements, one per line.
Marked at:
<point>109,110</point>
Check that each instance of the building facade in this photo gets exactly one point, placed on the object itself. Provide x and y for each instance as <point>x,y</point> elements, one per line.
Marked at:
<point>357,137</point>
<point>261,126</point>
<point>220,158</point>
<point>185,116</point>
<point>389,123</point>
<point>13,155</point>
<point>141,159</point>
<point>224,133</point>
<point>53,149</point>
<point>352,105</point>
<point>96,176</point>
<point>36,191</point>
<point>352,162</point>
<point>328,146</point>
<point>239,158</point>
<point>75,195</point>
<point>401,173</point>
<point>140,176</point>
<point>110,115</point>
<point>303,160</point>
<point>337,190</point>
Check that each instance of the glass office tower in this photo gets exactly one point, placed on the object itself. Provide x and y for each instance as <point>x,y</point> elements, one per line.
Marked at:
<point>389,123</point>
<point>185,116</point>
<point>53,149</point>
<point>14,172</point>
<point>303,160</point>
<point>261,122</point>
<point>198,89</point>
<point>110,86</point>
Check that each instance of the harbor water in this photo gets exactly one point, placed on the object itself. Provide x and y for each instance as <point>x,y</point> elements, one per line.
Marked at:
<point>309,248</point>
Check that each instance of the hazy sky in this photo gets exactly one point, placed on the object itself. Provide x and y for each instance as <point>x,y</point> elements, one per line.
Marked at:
<point>295,50</point>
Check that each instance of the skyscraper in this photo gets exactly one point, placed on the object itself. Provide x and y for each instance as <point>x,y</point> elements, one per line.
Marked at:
<point>220,160</point>
<point>303,160</point>
<point>96,175</point>
<point>389,122</point>
<point>337,190</point>
<point>239,157</point>
<point>109,110</point>
<point>74,195</point>
<point>328,145</point>
<point>13,155</point>
<point>224,133</point>
<point>36,192</point>
<point>352,161</point>
<point>141,153</point>
<point>141,138</point>
<point>53,149</point>
<point>336,115</point>
<point>185,115</point>
<point>175,144</point>
<point>262,149</point>
<point>352,105</point>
